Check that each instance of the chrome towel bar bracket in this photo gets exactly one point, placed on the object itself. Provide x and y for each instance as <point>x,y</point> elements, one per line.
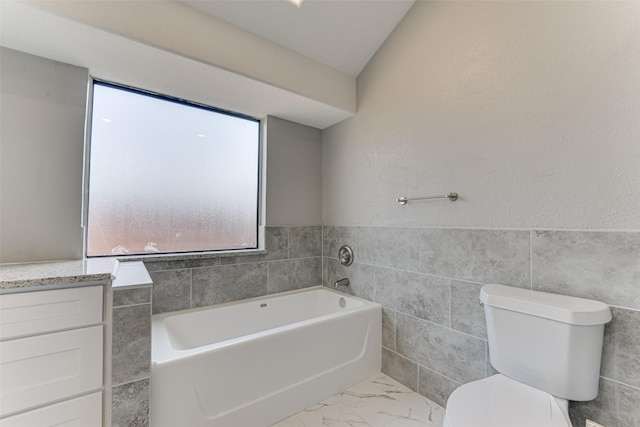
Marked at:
<point>403,200</point>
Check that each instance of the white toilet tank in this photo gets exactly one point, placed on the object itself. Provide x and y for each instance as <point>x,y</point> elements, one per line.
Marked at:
<point>550,342</point>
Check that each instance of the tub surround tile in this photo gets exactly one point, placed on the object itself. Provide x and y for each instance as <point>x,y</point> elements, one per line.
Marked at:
<point>334,237</point>
<point>377,402</point>
<point>434,386</point>
<point>305,241</point>
<point>456,355</point>
<point>171,290</point>
<point>604,266</point>
<point>216,285</point>
<point>621,350</point>
<point>293,274</point>
<point>481,256</point>
<point>394,247</point>
<point>189,283</point>
<point>467,315</point>
<point>276,242</point>
<point>130,405</point>
<point>132,296</point>
<point>400,368</point>
<point>419,295</point>
<point>131,343</point>
<point>181,264</point>
<point>361,277</point>
<point>434,356</point>
<point>389,329</point>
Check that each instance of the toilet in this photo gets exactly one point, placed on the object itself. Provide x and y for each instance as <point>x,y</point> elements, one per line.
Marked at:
<point>547,350</point>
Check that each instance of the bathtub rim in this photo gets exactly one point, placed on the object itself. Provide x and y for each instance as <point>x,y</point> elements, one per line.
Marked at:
<point>163,352</point>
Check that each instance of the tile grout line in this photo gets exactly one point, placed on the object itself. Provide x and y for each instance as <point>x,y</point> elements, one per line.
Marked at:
<point>531,259</point>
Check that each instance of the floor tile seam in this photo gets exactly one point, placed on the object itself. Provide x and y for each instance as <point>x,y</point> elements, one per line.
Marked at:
<point>354,410</point>
<point>357,410</point>
<point>350,408</point>
<point>343,405</point>
<point>401,405</point>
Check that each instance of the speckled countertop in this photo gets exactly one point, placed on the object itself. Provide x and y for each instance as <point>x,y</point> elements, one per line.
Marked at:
<point>14,276</point>
<point>28,275</point>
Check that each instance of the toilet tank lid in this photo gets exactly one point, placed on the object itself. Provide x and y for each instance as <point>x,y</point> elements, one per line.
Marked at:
<point>561,308</point>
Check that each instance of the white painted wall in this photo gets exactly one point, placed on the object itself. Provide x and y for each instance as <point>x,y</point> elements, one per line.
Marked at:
<point>294,173</point>
<point>529,110</point>
<point>171,48</point>
<point>43,106</point>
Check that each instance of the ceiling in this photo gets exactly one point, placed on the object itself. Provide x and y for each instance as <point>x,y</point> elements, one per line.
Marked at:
<point>342,34</point>
<point>257,57</point>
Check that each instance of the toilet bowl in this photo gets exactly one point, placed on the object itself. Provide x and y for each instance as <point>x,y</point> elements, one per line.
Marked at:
<point>498,401</point>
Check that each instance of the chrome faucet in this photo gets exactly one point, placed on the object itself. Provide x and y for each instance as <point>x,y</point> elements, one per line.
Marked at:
<point>341,282</point>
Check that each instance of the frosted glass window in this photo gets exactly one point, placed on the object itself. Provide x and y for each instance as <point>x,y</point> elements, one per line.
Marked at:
<point>169,176</point>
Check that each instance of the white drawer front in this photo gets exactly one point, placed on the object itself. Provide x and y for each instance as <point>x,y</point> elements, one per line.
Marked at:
<point>31,313</point>
<point>41,369</point>
<point>85,411</point>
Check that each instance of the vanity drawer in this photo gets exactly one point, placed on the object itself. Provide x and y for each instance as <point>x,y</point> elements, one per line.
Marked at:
<point>46,368</point>
<point>31,313</point>
<point>85,411</point>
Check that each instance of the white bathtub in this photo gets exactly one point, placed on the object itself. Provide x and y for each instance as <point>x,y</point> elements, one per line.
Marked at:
<point>255,362</point>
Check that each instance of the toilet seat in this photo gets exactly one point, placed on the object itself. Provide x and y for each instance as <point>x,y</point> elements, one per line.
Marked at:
<point>499,401</point>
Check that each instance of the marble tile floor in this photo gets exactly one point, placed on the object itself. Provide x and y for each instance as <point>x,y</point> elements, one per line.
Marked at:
<point>379,401</point>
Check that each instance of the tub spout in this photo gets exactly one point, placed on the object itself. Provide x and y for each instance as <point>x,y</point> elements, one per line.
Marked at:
<point>341,282</point>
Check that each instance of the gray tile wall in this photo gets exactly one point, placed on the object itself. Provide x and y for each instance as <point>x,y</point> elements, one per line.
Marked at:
<point>428,281</point>
<point>131,357</point>
<point>293,261</point>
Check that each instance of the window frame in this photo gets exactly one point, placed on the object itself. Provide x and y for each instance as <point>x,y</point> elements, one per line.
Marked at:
<point>261,177</point>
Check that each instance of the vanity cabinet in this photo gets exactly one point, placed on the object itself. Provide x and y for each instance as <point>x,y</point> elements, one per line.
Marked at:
<point>51,357</point>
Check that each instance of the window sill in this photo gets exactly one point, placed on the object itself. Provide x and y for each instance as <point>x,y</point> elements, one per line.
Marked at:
<point>191,255</point>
